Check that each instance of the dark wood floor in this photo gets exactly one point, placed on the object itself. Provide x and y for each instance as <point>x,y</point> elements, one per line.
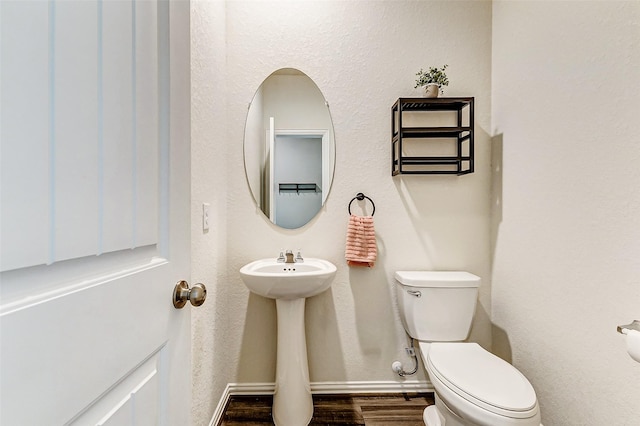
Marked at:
<point>344,410</point>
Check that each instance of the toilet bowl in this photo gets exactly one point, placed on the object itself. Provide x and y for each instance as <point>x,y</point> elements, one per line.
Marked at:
<point>472,386</point>
<point>477,386</point>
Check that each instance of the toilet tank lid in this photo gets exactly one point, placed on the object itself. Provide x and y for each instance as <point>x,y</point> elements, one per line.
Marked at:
<point>437,279</point>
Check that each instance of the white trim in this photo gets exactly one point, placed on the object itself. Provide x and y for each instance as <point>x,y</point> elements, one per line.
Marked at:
<point>273,191</point>
<point>320,388</point>
<point>371,387</point>
<point>222,403</point>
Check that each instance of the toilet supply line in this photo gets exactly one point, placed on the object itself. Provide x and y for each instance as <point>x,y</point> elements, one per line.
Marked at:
<point>396,366</point>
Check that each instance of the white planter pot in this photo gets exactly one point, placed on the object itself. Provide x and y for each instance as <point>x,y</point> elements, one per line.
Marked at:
<point>431,90</point>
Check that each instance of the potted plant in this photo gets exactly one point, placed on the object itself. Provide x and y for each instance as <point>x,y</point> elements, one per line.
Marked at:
<point>432,80</point>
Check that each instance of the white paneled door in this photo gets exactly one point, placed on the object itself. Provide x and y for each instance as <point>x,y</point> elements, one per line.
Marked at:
<point>94,212</point>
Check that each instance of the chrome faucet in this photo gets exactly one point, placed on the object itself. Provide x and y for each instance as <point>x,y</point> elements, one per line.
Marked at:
<point>287,257</point>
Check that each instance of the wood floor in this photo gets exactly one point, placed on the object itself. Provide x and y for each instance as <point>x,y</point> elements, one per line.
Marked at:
<point>344,410</point>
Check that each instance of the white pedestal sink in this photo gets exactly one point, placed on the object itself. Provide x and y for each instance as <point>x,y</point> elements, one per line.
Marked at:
<point>290,284</point>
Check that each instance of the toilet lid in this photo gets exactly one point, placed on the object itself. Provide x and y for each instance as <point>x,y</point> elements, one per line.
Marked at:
<point>474,373</point>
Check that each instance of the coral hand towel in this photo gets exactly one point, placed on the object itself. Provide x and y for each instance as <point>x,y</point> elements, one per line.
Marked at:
<point>361,241</point>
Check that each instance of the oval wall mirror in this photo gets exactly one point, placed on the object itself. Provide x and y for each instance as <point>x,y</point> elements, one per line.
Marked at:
<point>289,148</point>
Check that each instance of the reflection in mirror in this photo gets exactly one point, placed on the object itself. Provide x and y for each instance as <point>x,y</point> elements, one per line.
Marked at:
<point>289,150</point>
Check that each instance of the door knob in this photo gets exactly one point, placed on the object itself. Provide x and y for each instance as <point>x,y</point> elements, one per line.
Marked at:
<point>181,293</point>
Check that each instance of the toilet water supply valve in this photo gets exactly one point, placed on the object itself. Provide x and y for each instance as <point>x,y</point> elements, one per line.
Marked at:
<point>396,366</point>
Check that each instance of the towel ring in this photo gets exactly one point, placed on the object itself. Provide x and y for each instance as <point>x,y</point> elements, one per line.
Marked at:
<point>360,196</point>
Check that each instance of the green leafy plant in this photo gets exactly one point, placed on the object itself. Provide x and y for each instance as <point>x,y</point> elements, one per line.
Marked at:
<point>435,75</point>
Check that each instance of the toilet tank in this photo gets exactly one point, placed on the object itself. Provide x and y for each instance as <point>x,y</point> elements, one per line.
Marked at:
<point>437,306</point>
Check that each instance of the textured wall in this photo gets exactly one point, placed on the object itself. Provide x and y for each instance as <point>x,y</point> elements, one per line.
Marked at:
<point>566,82</point>
<point>212,368</point>
<point>363,55</point>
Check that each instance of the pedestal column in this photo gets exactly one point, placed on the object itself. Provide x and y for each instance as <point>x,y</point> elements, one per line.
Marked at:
<point>292,400</point>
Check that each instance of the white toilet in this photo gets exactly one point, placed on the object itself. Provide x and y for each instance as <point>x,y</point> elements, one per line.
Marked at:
<point>472,386</point>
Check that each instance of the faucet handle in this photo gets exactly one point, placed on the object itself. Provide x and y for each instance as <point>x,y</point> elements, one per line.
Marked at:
<point>280,257</point>
<point>299,257</point>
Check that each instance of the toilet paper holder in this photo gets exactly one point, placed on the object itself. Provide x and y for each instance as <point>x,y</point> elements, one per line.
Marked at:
<point>624,329</point>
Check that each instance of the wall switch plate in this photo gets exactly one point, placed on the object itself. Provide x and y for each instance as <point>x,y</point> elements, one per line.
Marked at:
<point>205,216</point>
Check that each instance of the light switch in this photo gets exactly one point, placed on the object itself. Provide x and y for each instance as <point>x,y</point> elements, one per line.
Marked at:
<point>205,216</point>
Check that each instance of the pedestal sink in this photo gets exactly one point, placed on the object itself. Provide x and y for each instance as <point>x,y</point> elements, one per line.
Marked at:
<point>290,284</point>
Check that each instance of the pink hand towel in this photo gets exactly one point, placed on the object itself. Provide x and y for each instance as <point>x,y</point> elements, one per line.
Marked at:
<point>361,247</point>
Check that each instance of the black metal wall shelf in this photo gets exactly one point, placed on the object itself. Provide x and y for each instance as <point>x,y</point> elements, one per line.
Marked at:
<point>298,187</point>
<point>460,134</point>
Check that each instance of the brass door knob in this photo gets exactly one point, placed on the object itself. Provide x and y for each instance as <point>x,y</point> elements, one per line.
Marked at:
<point>181,293</point>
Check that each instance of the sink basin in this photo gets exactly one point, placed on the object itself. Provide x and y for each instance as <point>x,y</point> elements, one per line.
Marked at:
<point>275,280</point>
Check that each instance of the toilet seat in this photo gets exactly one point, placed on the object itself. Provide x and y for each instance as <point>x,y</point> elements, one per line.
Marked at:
<point>481,378</point>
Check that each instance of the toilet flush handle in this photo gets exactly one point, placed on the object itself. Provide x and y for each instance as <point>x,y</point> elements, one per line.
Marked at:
<point>415,293</point>
<point>624,329</point>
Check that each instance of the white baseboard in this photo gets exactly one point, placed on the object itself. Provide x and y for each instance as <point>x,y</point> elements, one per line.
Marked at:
<point>370,387</point>
<point>320,388</point>
<point>222,403</point>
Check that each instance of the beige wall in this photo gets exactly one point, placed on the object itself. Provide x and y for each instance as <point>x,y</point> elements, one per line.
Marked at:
<point>566,84</point>
<point>212,367</point>
<point>362,56</point>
